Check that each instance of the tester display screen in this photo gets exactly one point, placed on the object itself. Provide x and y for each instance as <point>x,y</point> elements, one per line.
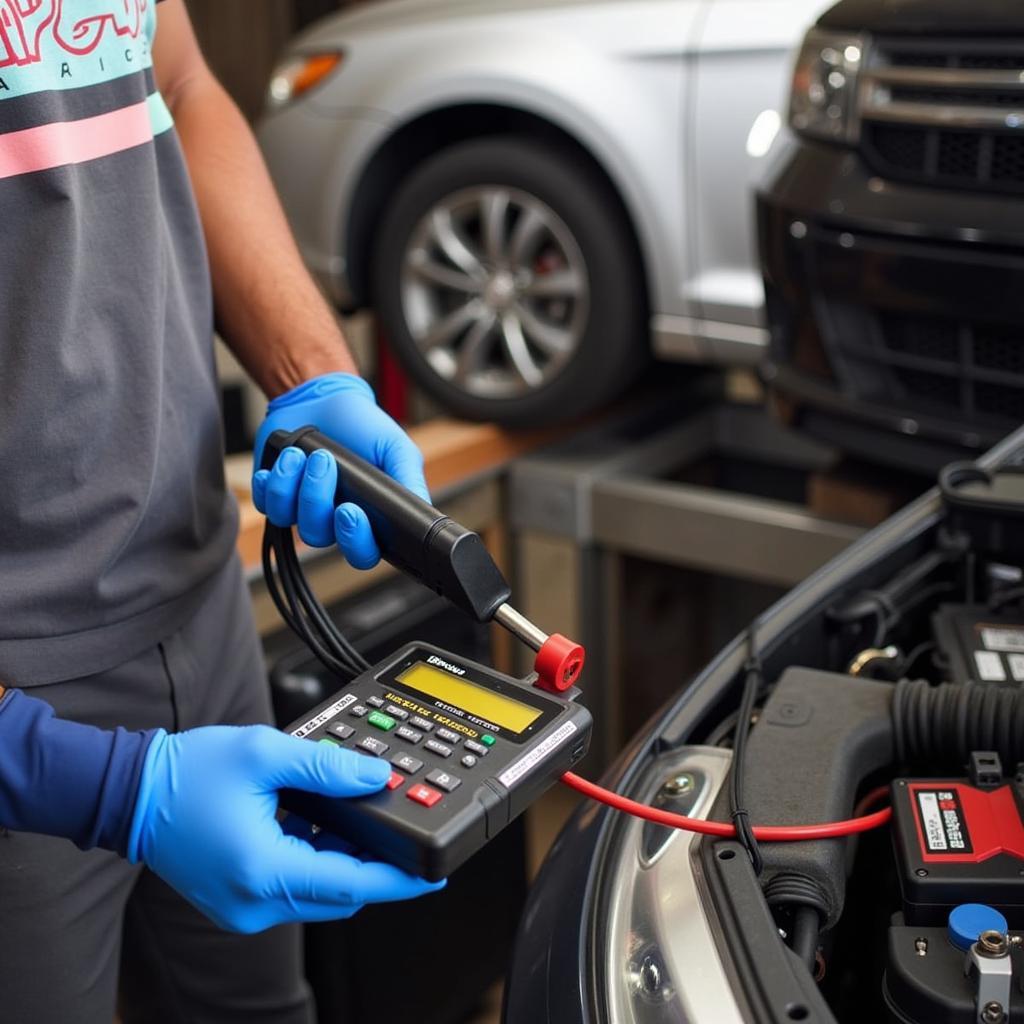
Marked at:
<point>494,707</point>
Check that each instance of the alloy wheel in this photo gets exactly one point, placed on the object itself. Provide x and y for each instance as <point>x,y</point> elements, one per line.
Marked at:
<point>494,291</point>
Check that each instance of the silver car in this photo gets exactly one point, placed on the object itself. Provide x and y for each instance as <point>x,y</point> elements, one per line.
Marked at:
<point>535,194</point>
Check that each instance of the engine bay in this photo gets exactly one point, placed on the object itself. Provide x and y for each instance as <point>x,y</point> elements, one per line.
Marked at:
<point>918,701</point>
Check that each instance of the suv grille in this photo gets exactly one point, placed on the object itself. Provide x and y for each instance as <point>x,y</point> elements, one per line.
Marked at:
<point>969,369</point>
<point>948,114</point>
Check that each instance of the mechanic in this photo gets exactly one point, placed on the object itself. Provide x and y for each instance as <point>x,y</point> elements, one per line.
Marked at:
<point>135,205</point>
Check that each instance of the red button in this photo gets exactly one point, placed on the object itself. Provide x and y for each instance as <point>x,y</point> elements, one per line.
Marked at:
<point>395,780</point>
<point>424,795</point>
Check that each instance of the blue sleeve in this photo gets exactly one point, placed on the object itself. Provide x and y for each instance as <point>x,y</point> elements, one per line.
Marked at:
<point>66,779</point>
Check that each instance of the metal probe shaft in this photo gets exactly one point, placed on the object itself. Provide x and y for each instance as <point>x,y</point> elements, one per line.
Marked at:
<point>520,626</point>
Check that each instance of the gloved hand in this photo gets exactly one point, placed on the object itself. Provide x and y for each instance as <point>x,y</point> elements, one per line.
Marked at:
<point>205,822</point>
<point>301,490</point>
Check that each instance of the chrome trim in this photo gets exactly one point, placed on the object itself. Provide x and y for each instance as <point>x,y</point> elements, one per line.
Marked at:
<point>933,115</point>
<point>946,78</point>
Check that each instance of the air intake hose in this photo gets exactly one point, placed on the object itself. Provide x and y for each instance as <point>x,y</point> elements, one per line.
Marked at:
<point>942,725</point>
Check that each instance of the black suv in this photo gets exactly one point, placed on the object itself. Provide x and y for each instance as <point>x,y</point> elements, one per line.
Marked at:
<point>892,229</point>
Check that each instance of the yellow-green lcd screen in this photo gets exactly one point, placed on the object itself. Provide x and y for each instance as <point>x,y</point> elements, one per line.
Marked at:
<point>477,700</point>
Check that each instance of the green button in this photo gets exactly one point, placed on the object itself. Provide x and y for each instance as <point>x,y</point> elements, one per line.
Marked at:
<point>381,721</point>
<point>329,742</point>
<point>487,739</point>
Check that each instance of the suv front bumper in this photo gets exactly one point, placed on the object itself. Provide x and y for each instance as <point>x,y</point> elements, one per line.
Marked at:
<point>892,307</point>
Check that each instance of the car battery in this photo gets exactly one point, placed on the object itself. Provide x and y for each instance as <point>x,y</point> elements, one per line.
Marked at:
<point>978,645</point>
<point>959,842</point>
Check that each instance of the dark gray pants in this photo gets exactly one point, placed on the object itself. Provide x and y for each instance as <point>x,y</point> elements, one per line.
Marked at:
<point>73,924</point>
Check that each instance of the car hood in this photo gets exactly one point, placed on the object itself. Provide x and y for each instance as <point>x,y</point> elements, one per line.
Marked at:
<point>405,14</point>
<point>926,17</point>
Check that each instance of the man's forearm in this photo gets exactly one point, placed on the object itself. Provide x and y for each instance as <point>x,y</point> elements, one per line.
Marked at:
<point>269,310</point>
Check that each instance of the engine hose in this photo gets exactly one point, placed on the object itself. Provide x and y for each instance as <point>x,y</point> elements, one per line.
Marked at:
<point>944,724</point>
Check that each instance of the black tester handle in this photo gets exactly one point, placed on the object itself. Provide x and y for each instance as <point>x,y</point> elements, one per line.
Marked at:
<point>413,535</point>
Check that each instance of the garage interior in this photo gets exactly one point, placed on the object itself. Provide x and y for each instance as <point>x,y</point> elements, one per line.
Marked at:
<point>654,528</point>
<point>731,399</point>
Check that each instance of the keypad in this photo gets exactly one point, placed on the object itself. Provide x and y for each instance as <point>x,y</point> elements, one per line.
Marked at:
<point>444,780</point>
<point>407,763</point>
<point>423,795</point>
<point>372,746</point>
<point>438,748</point>
<point>387,719</point>
<point>381,721</point>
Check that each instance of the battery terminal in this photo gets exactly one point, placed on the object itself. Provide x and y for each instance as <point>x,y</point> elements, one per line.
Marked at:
<point>988,962</point>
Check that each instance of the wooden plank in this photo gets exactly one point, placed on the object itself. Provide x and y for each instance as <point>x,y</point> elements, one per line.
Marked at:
<point>455,451</point>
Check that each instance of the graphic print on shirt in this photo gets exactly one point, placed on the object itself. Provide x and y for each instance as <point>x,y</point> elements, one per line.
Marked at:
<point>51,47</point>
<point>76,28</point>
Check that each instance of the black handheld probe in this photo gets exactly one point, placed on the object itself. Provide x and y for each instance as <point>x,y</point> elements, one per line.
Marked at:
<point>433,549</point>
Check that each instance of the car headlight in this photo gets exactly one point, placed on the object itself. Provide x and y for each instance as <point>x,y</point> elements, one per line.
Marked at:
<point>298,74</point>
<point>823,99</point>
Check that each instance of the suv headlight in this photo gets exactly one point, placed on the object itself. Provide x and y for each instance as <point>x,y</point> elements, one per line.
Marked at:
<point>298,74</point>
<point>823,98</point>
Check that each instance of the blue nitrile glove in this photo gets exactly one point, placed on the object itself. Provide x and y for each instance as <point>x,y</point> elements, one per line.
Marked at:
<point>205,822</point>
<point>301,490</point>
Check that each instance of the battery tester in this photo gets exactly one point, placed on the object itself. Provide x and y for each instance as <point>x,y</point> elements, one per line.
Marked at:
<point>470,748</point>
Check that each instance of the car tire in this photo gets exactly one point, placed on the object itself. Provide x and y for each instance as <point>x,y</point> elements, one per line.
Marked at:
<point>553,201</point>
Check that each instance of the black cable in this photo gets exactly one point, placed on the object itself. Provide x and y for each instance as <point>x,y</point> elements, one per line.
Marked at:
<point>300,608</point>
<point>303,628</point>
<point>803,898</point>
<point>907,663</point>
<point>718,735</point>
<point>738,812</point>
<point>321,621</point>
<point>806,930</point>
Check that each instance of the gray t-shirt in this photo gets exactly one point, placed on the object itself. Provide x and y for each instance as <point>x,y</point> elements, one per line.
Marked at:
<point>113,509</point>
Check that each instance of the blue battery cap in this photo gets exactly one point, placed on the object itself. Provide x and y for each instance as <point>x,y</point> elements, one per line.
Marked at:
<point>969,920</point>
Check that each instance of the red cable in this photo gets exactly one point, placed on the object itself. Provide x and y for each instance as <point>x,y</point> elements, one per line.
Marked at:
<point>765,833</point>
<point>870,798</point>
